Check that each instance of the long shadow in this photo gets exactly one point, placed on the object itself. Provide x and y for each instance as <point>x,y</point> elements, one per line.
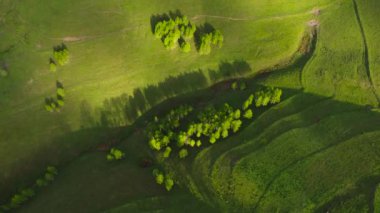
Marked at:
<point>125,109</point>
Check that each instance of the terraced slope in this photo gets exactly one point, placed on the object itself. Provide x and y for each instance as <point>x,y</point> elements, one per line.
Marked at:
<point>301,160</point>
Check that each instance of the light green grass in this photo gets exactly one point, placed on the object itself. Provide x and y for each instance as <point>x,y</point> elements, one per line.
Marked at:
<point>337,67</point>
<point>369,17</point>
<point>115,53</point>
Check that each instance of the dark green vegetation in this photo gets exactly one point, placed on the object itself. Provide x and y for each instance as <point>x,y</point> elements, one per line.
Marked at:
<point>25,194</point>
<point>315,151</point>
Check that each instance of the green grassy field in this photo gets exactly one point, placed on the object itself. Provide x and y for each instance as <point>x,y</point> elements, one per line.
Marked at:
<point>120,57</point>
<point>316,151</point>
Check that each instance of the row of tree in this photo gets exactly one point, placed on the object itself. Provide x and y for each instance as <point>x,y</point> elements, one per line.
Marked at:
<point>27,193</point>
<point>60,57</point>
<point>211,124</point>
<point>55,104</point>
<point>175,31</point>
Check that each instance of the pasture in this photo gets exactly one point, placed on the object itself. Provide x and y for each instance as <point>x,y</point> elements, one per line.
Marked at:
<point>304,154</point>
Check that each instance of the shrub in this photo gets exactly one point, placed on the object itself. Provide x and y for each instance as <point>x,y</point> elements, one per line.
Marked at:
<point>183,153</point>
<point>199,143</point>
<point>115,154</point>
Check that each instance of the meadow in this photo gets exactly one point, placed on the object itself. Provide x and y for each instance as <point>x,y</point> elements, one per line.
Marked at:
<point>305,154</point>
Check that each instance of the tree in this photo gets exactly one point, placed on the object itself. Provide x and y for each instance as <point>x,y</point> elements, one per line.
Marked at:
<point>52,66</point>
<point>185,47</point>
<point>169,183</point>
<point>234,85</point>
<point>154,144</point>
<point>248,114</point>
<point>183,153</point>
<point>48,107</point>
<point>217,38</point>
<point>205,45</point>
<point>167,152</point>
<point>236,124</point>
<point>237,114</point>
<point>61,55</point>
<point>225,133</point>
<point>60,92</point>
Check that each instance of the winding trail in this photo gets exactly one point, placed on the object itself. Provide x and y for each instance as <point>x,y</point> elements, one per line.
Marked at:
<point>365,54</point>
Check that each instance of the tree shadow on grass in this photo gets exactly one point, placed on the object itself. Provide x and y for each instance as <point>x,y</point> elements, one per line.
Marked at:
<point>154,19</point>
<point>125,109</point>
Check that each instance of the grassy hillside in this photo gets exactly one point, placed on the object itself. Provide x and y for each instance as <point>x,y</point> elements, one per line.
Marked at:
<point>316,151</point>
<point>113,52</point>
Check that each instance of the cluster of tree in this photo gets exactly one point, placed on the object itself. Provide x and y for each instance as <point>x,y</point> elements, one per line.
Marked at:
<point>161,130</point>
<point>161,178</point>
<point>27,193</point>
<point>207,39</point>
<point>60,57</point>
<point>115,154</point>
<point>210,124</point>
<point>174,30</point>
<point>55,104</point>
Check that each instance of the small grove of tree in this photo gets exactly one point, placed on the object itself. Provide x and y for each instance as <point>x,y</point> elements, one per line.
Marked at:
<point>172,30</point>
<point>61,55</point>
<point>268,96</point>
<point>210,124</point>
<point>161,131</point>
<point>238,85</point>
<point>55,105</point>
<point>26,194</point>
<point>115,154</point>
<point>161,178</point>
<point>207,39</point>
